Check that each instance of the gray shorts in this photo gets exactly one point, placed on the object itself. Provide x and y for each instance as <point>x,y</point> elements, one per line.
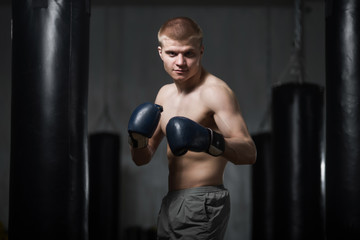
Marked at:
<point>194,213</point>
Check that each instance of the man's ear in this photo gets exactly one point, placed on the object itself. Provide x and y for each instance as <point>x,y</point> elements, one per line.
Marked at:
<point>160,51</point>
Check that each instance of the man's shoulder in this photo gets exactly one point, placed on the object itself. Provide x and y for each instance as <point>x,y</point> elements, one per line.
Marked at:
<point>215,84</point>
<point>216,91</point>
<point>212,81</point>
<point>165,91</point>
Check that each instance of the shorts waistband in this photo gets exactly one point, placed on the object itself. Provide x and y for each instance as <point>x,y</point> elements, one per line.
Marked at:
<point>197,190</point>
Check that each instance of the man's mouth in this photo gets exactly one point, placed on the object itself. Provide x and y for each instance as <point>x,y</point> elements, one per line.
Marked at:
<point>180,71</point>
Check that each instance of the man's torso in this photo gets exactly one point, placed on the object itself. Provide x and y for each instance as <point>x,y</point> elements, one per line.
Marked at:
<point>193,169</point>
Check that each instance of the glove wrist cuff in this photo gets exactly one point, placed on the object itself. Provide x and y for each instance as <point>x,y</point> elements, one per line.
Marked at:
<point>137,141</point>
<point>217,143</point>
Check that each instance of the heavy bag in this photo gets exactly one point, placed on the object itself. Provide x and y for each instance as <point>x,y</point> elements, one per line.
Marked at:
<point>104,186</point>
<point>263,189</point>
<point>48,170</point>
<point>297,120</point>
<point>343,119</point>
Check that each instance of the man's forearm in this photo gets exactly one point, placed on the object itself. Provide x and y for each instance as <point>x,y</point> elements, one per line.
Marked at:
<point>141,156</point>
<point>240,151</point>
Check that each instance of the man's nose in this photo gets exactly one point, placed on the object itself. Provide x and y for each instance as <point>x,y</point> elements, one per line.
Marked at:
<point>180,60</point>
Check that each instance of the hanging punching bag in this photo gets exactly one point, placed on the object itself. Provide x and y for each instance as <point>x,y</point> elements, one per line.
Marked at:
<point>263,189</point>
<point>48,171</point>
<point>343,119</point>
<point>297,135</point>
<point>104,186</point>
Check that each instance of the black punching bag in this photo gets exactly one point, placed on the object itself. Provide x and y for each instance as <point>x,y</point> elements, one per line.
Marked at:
<point>297,140</point>
<point>104,186</point>
<point>343,119</point>
<point>263,189</point>
<point>48,171</point>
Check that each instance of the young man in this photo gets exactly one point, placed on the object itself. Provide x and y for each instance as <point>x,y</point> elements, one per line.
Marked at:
<point>200,117</point>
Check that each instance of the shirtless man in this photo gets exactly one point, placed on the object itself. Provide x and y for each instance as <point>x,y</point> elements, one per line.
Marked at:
<point>200,117</point>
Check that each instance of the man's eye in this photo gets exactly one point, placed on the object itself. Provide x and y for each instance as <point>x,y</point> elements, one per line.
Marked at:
<point>172,54</point>
<point>189,54</point>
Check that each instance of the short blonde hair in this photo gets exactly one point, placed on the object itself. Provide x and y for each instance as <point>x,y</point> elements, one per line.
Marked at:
<point>181,28</point>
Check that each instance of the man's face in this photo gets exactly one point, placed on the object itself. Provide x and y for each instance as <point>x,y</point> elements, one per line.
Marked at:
<point>182,59</point>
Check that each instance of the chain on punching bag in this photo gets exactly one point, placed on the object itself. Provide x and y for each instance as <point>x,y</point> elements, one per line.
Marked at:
<point>48,171</point>
<point>297,137</point>
<point>343,119</point>
<point>105,166</point>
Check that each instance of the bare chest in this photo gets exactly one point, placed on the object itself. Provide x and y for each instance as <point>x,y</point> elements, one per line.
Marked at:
<point>191,107</point>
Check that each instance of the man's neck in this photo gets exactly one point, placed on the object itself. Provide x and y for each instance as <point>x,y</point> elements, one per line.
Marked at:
<point>192,83</point>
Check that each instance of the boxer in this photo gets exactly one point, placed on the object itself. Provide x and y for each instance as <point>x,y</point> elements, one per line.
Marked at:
<point>199,115</point>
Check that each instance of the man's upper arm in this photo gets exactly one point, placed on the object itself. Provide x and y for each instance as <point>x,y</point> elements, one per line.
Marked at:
<point>227,113</point>
<point>158,135</point>
<point>240,149</point>
<point>155,140</point>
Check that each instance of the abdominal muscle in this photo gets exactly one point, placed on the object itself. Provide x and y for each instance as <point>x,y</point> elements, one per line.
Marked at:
<point>194,170</point>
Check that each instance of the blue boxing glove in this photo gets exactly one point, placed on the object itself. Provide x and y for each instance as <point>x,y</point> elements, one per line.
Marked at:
<point>185,135</point>
<point>142,124</point>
